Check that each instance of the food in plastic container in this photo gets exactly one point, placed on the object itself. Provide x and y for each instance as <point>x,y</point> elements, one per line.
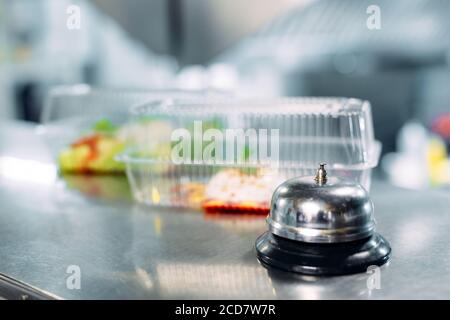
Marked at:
<point>235,190</point>
<point>92,154</point>
<point>87,128</point>
<point>96,151</point>
<point>337,131</point>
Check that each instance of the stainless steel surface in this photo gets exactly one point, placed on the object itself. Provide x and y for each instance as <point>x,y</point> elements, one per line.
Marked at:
<point>321,210</point>
<point>48,223</point>
<point>12,289</point>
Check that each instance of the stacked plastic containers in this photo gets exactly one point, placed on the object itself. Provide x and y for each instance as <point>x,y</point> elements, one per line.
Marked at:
<point>73,112</point>
<point>230,154</point>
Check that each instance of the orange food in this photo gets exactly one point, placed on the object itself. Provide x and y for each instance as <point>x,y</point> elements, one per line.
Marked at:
<point>92,143</point>
<point>92,154</point>
<point>188,193</point>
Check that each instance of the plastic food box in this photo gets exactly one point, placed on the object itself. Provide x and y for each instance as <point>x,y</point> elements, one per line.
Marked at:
<point>178,166</point>
<point>72,113</point>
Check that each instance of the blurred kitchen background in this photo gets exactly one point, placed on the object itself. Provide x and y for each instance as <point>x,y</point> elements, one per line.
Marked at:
<point>252,48</point>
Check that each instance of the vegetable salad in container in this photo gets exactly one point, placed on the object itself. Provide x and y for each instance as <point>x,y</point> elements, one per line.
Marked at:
<point>228,155</point>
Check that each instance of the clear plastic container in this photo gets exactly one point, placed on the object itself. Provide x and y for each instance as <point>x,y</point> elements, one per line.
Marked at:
<point>74,112</point>
<point>337,131</point>
<point>84,102</point>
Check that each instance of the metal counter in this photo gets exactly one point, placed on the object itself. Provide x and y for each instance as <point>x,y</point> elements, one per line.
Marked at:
<point>51,226</point>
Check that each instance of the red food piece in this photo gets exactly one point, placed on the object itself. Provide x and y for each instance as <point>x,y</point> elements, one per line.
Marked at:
<point>442,126</point>
<point>92,143</point>
<point>213,206</point>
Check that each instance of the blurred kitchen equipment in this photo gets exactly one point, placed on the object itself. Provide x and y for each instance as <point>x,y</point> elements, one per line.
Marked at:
<point>421,160</point>
<point>327,48</point>
<point>321,225</point>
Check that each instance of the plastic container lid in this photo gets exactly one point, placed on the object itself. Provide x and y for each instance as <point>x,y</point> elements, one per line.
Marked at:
<point>82,101</point>
<point>71,112</point>
<point>338,131</point>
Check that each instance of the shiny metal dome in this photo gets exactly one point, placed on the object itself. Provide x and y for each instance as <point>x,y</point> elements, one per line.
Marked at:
<point>321,210</point>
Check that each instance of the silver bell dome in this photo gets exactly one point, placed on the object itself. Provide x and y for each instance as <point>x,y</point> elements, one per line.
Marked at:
<point>321,209</point>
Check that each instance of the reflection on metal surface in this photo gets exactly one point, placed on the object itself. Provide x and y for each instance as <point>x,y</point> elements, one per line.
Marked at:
<point>416,234</point>
<point>157,223</point>
<point>305,287</point>
<point>111,187</point>
<point>216,280</point>
<point>156,197</point>
<point>144,278</point>
<point>27,170</point>
<point>237,223</point>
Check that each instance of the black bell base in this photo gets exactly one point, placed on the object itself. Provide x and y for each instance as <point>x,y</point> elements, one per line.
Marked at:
<point>322,259</point>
